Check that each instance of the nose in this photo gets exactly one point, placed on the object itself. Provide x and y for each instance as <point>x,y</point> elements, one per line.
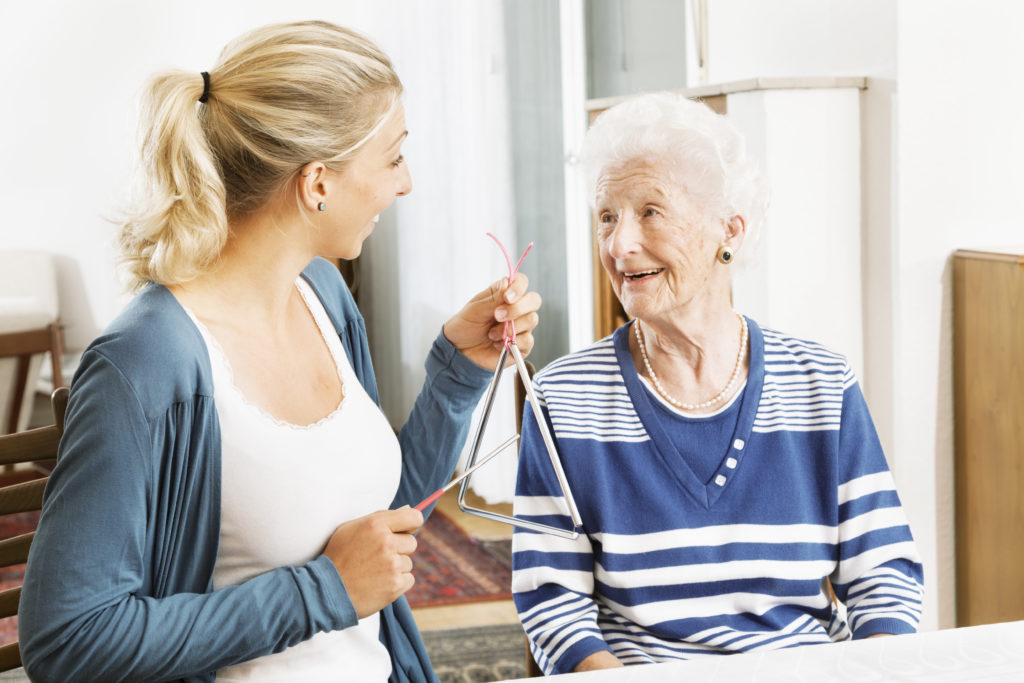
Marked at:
<point>404,182</point>
<point>625,237</point>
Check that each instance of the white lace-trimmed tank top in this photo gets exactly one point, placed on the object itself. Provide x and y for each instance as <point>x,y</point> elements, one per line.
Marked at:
<point>286,488</point>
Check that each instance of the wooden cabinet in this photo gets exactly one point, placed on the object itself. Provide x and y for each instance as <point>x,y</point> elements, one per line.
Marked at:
<point>988,303</point>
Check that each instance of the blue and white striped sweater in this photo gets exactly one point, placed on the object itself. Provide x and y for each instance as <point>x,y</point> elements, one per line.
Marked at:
<point>671,567</point>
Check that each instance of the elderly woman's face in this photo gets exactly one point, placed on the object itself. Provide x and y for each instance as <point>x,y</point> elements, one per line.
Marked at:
<point>657,244</point>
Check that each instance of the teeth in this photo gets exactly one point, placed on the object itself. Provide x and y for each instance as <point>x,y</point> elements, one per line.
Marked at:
<point>376,218</point>
<point>643,273</point>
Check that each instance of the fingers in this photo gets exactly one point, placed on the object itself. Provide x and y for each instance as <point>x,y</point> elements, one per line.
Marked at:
<point>405,545</point>
<point>501,292</point>
<point>524,325</point>
<point>373,556</point>
<point>517,303</point>
<point>514,291</point>
<point>477,331</point>
<point>403,520</point>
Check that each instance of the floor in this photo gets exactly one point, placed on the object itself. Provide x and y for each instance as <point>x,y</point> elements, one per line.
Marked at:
<point>477,613</point>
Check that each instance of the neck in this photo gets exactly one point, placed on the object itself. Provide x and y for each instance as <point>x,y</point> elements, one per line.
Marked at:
<point>692,333</point>
<point>253,278</point>
<point>697,362</point>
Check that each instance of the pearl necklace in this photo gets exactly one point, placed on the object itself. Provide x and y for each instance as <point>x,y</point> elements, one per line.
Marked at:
<point>717,398</point>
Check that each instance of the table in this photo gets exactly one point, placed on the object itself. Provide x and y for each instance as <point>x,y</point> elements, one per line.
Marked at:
<point>991,653</point>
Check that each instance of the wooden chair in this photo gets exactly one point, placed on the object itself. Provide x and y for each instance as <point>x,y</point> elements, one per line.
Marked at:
<point>22,345</point>
<point>24,496</point>
<point>533,669</point>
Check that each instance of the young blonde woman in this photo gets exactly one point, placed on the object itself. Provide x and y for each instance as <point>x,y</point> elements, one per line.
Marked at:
<point>229,501</point>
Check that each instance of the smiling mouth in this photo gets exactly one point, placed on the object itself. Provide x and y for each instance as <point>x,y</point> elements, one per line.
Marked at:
<point>641,274</point>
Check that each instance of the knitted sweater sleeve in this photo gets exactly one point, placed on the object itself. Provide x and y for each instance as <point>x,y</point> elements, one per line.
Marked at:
<point>879,574</point>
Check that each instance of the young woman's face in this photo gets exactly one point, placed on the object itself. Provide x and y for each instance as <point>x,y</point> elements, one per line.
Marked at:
<point>367,185</point>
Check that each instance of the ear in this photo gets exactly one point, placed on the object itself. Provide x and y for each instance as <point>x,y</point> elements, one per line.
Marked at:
<point>314,185</point>
<point>735,232</point>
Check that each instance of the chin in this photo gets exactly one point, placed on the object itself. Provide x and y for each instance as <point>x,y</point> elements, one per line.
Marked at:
<point>640,308</point>
<point>349,251</point>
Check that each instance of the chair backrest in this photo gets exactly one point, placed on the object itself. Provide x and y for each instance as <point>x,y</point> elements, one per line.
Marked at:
<point>22,492</point>
<point>29,326</point>
<point>23,346</point>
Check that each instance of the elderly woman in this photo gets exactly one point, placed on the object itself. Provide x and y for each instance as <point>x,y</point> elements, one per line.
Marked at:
<point>732,488</point>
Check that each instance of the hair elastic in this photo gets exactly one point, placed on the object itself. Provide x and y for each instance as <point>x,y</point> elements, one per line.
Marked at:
<point>206,87</point>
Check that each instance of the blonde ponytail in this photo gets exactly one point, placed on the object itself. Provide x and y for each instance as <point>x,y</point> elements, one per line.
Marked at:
<point>280,97</point>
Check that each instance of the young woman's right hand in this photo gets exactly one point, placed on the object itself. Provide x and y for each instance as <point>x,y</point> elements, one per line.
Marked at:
<point>372,555</point>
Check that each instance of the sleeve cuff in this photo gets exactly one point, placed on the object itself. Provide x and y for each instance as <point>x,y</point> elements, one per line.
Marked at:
<point>888,625</point>
<point>445,362</point>
<point>579,651</point>
<point>335,594</point>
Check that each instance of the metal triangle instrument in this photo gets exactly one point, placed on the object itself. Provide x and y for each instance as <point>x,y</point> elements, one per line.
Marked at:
<point>549,444</point>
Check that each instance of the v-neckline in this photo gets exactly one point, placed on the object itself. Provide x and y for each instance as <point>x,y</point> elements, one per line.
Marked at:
<point>705,494</point>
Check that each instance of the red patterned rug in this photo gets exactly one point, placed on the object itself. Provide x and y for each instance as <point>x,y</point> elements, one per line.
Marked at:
<point>452,568</point>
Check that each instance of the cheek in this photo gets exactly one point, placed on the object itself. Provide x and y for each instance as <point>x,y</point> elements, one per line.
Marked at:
<point>368,196</point>
<point>688,245</point>
<point>606,259</point>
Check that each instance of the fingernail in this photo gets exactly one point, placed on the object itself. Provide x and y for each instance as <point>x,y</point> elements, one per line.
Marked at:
<point>500,314</point>
<point>511,296</point>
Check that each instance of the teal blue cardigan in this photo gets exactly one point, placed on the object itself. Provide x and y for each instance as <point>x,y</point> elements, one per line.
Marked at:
<point>119,584</point>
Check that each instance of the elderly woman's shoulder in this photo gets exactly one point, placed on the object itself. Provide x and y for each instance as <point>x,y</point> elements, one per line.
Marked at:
<point>780,347</point>
<point>792,344</point>
<point>597,357</point>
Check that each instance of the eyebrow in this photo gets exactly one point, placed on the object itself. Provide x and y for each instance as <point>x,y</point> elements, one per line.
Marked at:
<point>659,192</point>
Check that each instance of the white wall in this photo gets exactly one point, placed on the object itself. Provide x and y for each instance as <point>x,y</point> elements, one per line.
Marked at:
<point>786,38</point>
<point>942,143</point>
<point>71,73</point>
<point>959,149</point>
<point>804,273</point>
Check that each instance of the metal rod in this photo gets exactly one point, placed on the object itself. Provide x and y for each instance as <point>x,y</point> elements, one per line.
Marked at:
<point>549,443</point>
<point>488,403</point>
<point>483,461</point>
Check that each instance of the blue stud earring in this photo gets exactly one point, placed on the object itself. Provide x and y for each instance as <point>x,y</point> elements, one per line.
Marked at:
<point>321,206</point>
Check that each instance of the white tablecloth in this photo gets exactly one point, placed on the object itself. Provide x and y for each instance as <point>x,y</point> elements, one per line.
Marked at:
<point>979,653</point>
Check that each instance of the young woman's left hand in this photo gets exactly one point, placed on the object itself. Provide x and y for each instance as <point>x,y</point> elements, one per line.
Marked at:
<point>478,329</point>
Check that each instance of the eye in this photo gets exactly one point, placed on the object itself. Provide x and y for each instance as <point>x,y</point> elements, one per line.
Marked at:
<point>399,161</point>
<point>606,217</point>
<point>650,212</point>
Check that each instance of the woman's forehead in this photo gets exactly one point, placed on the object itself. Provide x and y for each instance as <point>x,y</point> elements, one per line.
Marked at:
<point>647,173</point>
